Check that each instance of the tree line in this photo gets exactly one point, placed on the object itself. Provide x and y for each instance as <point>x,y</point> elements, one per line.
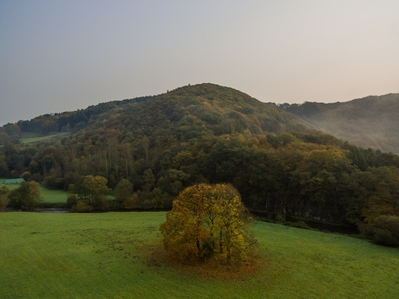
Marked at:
<point>313,176</point>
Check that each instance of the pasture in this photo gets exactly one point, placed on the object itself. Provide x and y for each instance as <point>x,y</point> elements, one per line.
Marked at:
<point>110,255</point>
<point>53,196</point>
<point>27,137</point>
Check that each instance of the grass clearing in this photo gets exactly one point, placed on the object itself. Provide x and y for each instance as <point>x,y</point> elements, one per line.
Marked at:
<point>53,196</point>
<point>10,186</point>
<point>32,138</point>
<point>108,255</point>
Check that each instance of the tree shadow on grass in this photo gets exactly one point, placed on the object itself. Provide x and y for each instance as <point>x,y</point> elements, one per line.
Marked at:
<point>157,256</point>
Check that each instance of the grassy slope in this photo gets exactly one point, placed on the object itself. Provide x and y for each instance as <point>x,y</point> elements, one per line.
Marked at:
<point>104,256</point>
<point>11,186</point>
<point>31,138</point>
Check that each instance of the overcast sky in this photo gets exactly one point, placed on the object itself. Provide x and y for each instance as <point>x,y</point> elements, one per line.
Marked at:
<point>58,56</point>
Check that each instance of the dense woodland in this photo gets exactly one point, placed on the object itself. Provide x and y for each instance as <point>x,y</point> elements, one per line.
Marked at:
<point>145,151</point>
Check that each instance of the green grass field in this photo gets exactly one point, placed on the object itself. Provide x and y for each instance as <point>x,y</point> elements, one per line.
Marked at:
<point>32,138</point>
<point>53,195</point>
<point>108,255</point>
<point>11,186</point>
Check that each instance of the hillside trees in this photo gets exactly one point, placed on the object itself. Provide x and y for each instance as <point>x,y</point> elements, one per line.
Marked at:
<point>3,168</point>
<point>13,158</point>
<point>322,174</point>
<point>383,195</point>
<point>208,221</point>
<point>123,190</point>
<point>368,122</point>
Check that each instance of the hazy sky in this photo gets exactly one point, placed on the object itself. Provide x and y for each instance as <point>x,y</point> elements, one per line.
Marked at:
<point>58,55</point>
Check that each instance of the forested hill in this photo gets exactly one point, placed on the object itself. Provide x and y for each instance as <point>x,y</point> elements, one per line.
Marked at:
<point>195,111</point>
<point>369,122</point>
<point>187,111</point>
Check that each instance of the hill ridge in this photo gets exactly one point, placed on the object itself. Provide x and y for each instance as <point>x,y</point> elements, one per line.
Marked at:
<point>366,122</point>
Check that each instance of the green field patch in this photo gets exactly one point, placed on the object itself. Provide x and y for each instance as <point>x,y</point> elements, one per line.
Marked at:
<point>52,196</point>
<point>29,138</point>
<point>108,255</point>
<point>9,186</point>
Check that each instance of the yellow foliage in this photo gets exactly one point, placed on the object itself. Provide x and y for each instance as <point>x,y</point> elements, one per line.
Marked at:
<point>208,221</point>
<point>82,207</point>
<point>132,202</point>
<point>378,204</point>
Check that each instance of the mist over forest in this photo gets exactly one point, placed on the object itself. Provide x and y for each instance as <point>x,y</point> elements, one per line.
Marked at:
<point>369,122</point>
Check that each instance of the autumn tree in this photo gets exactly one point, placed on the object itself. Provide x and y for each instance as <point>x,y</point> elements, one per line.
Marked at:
<point>123,190</point>
<point>91,192</point>
<point>26,196</point>
<point>3,197</point>
<point>208,221</point>
<point>3,168</point>
<point>383,198</point>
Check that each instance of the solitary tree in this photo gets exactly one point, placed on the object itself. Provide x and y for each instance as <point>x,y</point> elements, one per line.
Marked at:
<point>208,221</point>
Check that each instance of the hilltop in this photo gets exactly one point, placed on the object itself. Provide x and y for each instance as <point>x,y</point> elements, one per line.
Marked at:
<point>187,110</point>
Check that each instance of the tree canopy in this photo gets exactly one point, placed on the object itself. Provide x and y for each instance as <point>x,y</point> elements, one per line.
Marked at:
<point>208,221</point>
<point>26,196</point>
<point>92,192</point>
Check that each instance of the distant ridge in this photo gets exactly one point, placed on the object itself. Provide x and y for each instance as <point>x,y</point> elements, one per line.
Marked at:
<point>370,122</point>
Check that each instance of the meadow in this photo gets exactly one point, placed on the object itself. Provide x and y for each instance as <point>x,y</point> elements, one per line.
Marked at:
<point>112,255</point>
<point>27,137</point>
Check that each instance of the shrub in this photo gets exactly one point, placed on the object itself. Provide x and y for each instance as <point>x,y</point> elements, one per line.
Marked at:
<point>387,230</point>
<point>71,201</point>
<point>3,197</point>
<point>385,237</point>
<point>132,202</point>
<point>82,207</point>
<point>383,230</point>
<point>26,196</point>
